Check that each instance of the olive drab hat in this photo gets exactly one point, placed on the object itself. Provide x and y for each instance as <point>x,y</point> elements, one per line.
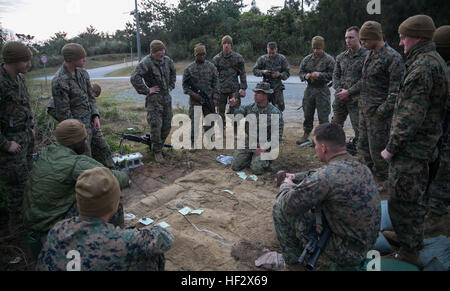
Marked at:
<point>442,37</point>
<point>96,89</point>
<point>199,49</point>
<point>318,42</point>
<point>73,52</point>
<point>70,132</point>
<point>227,39</point>
<point>264,87</point>
<point>371,30</point>
<point>156,46</point>
<point>97,193</point>
<point>418,26</point>
<point>16,52</point>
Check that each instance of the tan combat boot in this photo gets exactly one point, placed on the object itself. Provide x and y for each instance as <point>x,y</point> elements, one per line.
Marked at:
<point>304,139</point>
<point>159,158</point>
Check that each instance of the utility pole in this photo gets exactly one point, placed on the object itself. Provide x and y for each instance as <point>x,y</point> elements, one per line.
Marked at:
<point>131,46</point>
<point>138,31</point>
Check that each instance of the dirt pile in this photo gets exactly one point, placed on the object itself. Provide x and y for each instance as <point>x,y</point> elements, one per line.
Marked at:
<point>205,242</point>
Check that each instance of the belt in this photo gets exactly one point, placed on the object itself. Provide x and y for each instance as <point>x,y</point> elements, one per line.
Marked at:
<point>323,85</point>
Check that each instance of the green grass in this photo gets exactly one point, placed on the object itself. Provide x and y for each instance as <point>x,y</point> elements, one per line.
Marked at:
<point>122,72</point>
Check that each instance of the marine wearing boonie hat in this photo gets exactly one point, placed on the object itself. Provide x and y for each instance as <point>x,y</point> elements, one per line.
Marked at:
<point>263,87</point>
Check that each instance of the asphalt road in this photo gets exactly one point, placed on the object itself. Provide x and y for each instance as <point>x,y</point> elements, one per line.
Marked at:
<point>293,94</point>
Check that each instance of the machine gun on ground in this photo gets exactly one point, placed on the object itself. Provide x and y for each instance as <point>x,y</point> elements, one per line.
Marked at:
<point>316,244</point>
<point>207,101</point>
<point>147,140</point>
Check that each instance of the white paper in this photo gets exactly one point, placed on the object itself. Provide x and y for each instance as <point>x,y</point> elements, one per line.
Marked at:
<point>163,224</point>
<point>146,221</point>
<point>185,211</point>
<point>198,211</point>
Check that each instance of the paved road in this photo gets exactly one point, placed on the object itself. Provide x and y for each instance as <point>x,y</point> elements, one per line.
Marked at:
<point>100,73</point>
<point>293,94</point>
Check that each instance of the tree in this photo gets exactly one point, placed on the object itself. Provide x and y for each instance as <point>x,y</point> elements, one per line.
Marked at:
<point>254,9</point>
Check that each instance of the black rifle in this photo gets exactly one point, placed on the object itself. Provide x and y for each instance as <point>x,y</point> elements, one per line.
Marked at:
<point>147,140</point>
<point>207,101</point>
<point>267,78</point>
<point>316,244</point>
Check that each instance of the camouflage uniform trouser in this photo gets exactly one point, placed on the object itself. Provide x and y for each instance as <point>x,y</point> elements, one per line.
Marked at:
<point>159,117</point>
<point>292,235</point>
<point>243,158</point>
<point>222,105</point>
<point>342,109</point>
<point>408,179</point>
<point>278,99</point>
<point>316,98</point>
<point>440,187</point>
<point>373,138</point>
<point>101,152</point>
<point>14,170</point>
<point>205,111</point>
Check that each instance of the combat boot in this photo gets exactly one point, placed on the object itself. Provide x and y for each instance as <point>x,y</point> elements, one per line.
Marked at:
<point>159,158</point>
<point>304,139</point>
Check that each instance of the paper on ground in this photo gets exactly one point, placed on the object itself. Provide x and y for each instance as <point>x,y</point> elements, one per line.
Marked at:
<point>185,211</point>
<point>129,216</point>
<point>226,160</point>
<point>146,221</point>
<point>229,192</point>
<point>242,175</point>
<point>198,211</point>
<point>163,224</point>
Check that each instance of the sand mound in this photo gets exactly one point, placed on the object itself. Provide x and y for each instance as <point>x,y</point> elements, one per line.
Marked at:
<point>238,222</point>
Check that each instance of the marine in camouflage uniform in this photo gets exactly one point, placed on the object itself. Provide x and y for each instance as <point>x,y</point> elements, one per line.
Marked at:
<point>440,188</point>
<point>203,74</point>
<point>16,130</point>
<point>104,247</point>
<point>344,191</point>
<point>230,66</point>
<point>72,94</point>
<point>49,194</point>
<point>156,71</point>
<point>243,158</point>
<point>317,93</point>
<point>100,150</point>
<point>381,76</point>
<point>416,128</point>
<point>100,245</point>
<point>346,75</point>
<point>275,63</point>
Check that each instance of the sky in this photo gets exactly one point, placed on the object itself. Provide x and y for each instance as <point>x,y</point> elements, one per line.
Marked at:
<point>44,18</point>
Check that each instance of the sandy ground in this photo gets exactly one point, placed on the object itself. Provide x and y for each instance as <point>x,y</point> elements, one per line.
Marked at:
<point>234,230</point>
